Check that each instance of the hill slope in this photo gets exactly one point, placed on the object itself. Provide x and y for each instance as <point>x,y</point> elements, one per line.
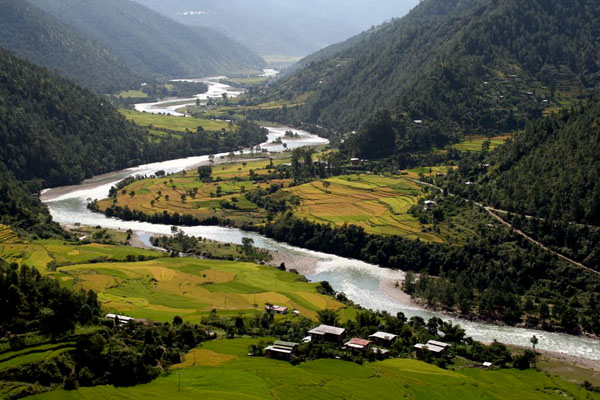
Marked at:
<point>150,43</point>
<point>550,171</point>
<point>40,38</point>
<point>460,65</point>
<point>53,130</point>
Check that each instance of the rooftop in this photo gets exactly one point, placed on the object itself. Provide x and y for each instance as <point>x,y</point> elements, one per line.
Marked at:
<point>383,336</point>
<point>430,347</point>
<point>279,349</point>
<point>326,329</point>
<point>439,344</point>
<point>358,342</point>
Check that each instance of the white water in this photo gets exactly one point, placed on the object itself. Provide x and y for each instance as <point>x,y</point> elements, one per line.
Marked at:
<point>358,280</point>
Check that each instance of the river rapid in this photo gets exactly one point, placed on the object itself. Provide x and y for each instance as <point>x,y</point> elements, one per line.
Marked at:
<point>360,281</point>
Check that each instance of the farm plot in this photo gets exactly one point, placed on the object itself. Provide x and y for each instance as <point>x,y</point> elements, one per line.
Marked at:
<point>379,204</point>
<point>162,288</point>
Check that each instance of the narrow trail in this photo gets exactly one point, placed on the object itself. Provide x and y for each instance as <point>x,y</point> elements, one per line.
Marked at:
<point>493,213</point>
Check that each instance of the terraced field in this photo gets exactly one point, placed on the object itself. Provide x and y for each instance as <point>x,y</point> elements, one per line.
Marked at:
<point>162,288</point>
<point>40,253</point>
<point>475,143</point>
<point>224,371</point>
<point>7,235</point>
<point>185,194</point>
<point>377,203</point>
<point>173,123</point>
<point>34,354</point>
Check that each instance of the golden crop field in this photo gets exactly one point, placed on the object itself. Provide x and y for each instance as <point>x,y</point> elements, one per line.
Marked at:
<point>379,204</point>
<point>161,288</point>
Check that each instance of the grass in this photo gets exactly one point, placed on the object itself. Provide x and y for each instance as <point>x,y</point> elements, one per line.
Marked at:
<point>179,124</point>
<point>33,354</point>
<point>162,288</point>
<point>41,252</point>
<point>224,371</point>
<point>475,143</point>
<point>132,94</point>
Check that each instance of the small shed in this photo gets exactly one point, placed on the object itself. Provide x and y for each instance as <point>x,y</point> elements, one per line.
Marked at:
<point>120,319</point>
<point>383,338</point>
<point>281,350</point>
<point>430,204</point>
<point>327,333</point>
<point>276,309</point>
<point>354,160</point>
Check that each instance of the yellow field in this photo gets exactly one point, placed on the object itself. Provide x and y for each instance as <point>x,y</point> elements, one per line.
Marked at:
<point>379,204</point>
<point>205,202</point>
<point>162,288</point>
<point>7,235</point>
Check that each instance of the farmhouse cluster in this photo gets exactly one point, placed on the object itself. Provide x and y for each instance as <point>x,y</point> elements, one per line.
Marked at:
<point>378,343</point>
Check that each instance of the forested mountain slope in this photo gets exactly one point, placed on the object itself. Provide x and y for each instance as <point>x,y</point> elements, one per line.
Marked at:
<point>462,66</point>
<point>552,170</point>
<point>150,43</point>
<point>53,130</point>
<point>40,38</point>
<point>22,211</point>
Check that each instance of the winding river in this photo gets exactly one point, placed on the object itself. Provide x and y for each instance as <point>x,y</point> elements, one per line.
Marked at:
<point>361,282</point>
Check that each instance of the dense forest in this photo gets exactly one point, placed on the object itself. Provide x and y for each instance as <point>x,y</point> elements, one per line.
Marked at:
<point>467,66</point>
<point>551,170</point>
<point>23,211</point>
<point>40,38</point>
<point>58,133</point>
<point>151,44</point>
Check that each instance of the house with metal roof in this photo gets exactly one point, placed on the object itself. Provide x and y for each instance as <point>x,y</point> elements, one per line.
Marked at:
<point>327,333</point>
<point>383,338</point>
<point>358,345</point>
<point>281,350</point>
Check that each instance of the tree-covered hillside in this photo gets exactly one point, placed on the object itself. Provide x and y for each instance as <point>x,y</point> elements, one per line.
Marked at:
<point>551,170</point>
<point>54,130</point>
<point>40,38</point>
<point>22,211</point>
<point>461,66</point>
<point>151,44</point>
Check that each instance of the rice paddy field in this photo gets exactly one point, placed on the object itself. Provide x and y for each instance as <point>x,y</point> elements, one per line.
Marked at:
<point>202,200</point>
<point>34,354</point>
<point>221,369</point>
<point>162,288</point>
<point>475,143</point>
<point>173,123</point>
<point>379,204</point>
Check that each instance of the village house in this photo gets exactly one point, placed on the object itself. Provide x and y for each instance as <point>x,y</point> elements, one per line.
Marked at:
<point>327,333</point>
<point>276,309</point>
<point>357,345</point>
<point>383,338</point>
<point>281,350</point>
<point>430,204</point>
<point>437,349</point>
<point>355,160</point>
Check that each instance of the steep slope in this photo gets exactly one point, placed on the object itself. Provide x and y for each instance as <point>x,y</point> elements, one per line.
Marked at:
<point>459,65</point>
<point>22,211</point>
<point>150,43</point>
<point>551,170</point>
<point>53,130</point>
<point>40,38</point>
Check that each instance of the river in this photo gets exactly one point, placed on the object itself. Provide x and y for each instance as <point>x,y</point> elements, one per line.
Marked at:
<point>361,282</point>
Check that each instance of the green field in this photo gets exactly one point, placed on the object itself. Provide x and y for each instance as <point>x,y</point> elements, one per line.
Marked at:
<point>179,124</point>
<point>475,143</point>
<point>224,371</point>
<point>162,288</point>
<point>33,354</point>
<point>132,94</point>
<point>231,181</point>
